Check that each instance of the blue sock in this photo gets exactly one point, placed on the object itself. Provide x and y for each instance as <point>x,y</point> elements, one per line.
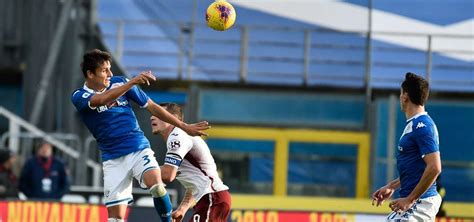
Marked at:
<point>163,207</point>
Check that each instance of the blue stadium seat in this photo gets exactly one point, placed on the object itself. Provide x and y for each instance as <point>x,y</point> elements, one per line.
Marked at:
<point>276,56</point>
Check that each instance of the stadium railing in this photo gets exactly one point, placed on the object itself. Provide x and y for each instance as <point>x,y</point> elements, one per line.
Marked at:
<point>287,55</point>
<point>79,162</point>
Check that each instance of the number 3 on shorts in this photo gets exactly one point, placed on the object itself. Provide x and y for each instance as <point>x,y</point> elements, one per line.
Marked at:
<point>147,161</point>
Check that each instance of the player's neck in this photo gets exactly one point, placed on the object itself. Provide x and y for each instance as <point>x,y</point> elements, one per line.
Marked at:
<point>94,87</point>
<point>412,110</point>
<point>166,133</point>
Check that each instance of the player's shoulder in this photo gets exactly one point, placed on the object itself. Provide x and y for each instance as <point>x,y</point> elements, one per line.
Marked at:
<point>80,92</point>
<point>117,79</point>
<point>178,133</point>
<point>178,139</point>
<point>422,123</point>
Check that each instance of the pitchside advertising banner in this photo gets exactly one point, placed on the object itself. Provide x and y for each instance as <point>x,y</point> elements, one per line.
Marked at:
<point>21,211</point>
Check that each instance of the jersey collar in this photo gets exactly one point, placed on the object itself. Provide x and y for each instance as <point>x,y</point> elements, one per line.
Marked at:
<point>417,115</point>
<point>89,90</point>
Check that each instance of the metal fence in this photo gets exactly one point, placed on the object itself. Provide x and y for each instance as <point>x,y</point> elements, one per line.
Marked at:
<point>69,147</point>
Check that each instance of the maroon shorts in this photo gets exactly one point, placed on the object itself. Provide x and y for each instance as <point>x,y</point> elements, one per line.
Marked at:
<point>212,207</point>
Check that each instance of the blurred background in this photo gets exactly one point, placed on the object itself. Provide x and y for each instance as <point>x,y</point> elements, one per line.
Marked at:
<point>302,95</point>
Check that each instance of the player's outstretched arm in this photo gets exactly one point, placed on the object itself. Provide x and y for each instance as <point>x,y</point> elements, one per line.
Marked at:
<point>187,202</point>
<point>385,192</point>
<point>196,129</point>
<point>111,95</point>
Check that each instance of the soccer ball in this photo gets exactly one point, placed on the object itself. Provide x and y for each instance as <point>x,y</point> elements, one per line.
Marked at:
<point>220,15</point>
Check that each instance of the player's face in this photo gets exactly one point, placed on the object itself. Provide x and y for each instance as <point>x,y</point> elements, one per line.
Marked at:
<point>157,125</point>
<point>101,76</point>
<point>45,150</point>
<point>403,100</point>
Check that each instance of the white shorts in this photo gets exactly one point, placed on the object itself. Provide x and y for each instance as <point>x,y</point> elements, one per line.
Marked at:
<point>119,173</point>
<point>423,210</point>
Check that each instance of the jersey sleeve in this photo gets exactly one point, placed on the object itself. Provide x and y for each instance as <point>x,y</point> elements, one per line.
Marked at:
<point>178,147</point>
<point>426,138</point>
<point>137,95</point>
<point>81,100</point>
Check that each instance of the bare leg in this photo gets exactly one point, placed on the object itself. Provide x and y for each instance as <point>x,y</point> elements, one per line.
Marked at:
<point>117,211</point>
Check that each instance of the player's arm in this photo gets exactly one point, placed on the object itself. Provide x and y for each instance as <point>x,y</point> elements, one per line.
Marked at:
<point>113,94</point>
<point>168,173</point>
<point>191,129</point>
<point>385,192</point>
<point>394,184</point>
<point>187,202</point>
<point>432,170</point>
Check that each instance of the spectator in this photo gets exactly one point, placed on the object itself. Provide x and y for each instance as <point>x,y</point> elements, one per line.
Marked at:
<point>8,181</point>
<point>44,176</point>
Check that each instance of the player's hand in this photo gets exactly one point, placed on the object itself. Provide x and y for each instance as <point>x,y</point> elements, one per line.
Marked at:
<point>197,129</point>
<point>401,204</point>
<point>143,78</point>
<point>177,215</point>
<point>379,196</point>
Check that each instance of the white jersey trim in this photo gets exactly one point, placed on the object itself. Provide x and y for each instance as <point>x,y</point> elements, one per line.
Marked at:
<point>417,115</point>
<point>209,209</point>
<point>144,106</point>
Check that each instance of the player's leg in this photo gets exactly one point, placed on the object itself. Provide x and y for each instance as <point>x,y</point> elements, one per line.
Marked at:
<point>220,210</point>
<point>147,172</point>
<point>427,208</point>
<point>117,188</point>
<point>202,209</point>
<point>117,213</point>
<point>161,198</point>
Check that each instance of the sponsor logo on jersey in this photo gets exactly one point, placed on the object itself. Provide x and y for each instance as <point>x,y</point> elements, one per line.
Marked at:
<point>102,109</point>
<point>400,148</point>
<point>85,95</point>
<point>174,144</point>
<point>112,104</point>
<point>172,161</point>
<point>420,125</point>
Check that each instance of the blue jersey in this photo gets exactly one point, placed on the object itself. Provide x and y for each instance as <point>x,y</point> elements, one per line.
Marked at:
<point>114,126</point>
<point>419,138</point>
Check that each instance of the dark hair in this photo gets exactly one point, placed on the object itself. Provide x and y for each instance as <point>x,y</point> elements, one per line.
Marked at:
<point>5,154</point>
<point>174,109</point>
<point>417,87</point>
<point>93,59</point>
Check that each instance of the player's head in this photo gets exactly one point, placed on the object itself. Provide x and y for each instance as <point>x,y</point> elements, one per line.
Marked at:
<point>96,68</point>
<point>158,125</point>
<point>44,149</point>
<point>414,90</point>
<point>7,158</point>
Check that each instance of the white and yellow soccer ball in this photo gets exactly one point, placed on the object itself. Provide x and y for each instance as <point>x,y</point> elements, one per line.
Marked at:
<point>220,15</point>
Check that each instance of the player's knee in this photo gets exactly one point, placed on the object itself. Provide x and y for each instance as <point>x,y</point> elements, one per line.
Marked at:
<point>115,220</point>
<point>158,190</point>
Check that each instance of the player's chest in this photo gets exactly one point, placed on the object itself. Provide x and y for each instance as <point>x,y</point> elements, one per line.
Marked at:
<point>407,144</point>
<point>114,106</point>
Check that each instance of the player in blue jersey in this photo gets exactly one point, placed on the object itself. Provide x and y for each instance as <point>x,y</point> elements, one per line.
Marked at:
<point>103,104</point>
<point>418,159</point>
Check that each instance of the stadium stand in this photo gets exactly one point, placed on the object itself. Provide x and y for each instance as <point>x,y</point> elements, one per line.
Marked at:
<point>276,54</point>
